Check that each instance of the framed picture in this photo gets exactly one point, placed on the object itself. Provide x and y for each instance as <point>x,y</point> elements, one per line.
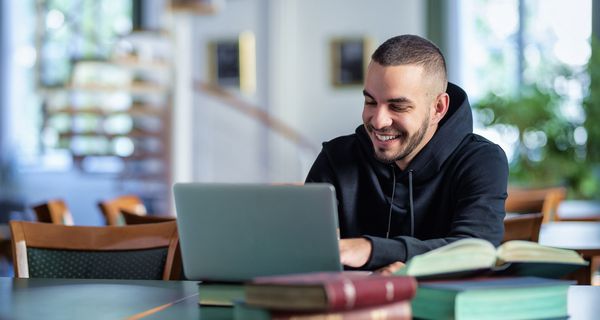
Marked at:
<point>349,59</point>
<point>198,6</point>
<point>232,62</point>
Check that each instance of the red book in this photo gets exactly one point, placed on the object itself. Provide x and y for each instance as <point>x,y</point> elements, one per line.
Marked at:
<point>328,291</point>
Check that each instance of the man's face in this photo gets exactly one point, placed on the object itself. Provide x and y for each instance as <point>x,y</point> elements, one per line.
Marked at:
<point>399,106</point>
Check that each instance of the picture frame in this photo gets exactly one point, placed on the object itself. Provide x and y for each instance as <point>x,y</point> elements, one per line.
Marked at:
<point>232,62</point>
<point>349,60</point>
<point>204,7</point>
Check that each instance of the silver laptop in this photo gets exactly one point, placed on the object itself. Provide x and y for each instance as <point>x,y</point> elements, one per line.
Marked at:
<point>234,232</point>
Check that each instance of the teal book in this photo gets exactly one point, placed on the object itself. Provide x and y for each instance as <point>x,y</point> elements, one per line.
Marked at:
<point>492,298</point>
<point>220,293</point>
<point>399,310</point>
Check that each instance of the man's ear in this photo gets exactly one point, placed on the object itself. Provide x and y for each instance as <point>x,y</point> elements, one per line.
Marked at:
<point>440,107</point>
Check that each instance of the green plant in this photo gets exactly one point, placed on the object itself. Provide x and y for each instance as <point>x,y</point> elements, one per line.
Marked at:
<point>591,104</point>
<point>549,150</point>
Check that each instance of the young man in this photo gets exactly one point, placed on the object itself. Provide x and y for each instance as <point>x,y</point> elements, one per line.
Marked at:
<point>413,177</point>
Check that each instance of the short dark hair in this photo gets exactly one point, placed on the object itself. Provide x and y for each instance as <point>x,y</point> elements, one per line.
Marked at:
<point>411,49</point>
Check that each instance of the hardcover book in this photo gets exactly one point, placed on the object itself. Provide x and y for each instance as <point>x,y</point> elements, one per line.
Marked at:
<point>469,257</point>
<point>492,298</point>
<point>328,291</point>
<point>219,293</point>
<point>392,311</point>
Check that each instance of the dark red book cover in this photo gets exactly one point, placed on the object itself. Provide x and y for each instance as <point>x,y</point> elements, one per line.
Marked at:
<point>342,290</point>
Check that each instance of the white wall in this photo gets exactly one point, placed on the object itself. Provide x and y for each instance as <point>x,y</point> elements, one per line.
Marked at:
<point>314,107</point>
<point>293,82</point>
<point>327,112</point>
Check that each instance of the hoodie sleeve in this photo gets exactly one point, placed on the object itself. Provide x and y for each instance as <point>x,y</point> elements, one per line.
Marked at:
<point>480,184</point>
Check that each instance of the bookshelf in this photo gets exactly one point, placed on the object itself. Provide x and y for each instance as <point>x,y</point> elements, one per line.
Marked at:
<point>114,117</point>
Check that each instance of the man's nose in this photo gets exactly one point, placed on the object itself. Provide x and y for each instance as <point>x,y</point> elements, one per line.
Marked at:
<point>381,118</point>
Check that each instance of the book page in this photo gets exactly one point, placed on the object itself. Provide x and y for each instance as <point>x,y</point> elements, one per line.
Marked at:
<point>464,254</point>
<point>527,251</point>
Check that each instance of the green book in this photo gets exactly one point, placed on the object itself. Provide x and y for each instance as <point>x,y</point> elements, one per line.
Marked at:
<point>492,298</point>
<point>399,310</point>
<point>470,257</point>
<point>219,293</point>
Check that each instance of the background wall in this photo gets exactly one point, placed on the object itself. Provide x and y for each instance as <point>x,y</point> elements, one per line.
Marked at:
<point>293,77</point>
<point>214,142</point>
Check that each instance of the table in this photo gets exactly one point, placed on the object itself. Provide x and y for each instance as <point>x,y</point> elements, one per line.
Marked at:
<point>583,237</point>
<point>89,299</point>
<point>579,210</point>
<point>155,299</point>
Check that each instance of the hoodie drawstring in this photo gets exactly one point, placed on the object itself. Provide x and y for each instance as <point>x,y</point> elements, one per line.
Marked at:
<point>387,234</point>
<point>410,202</point>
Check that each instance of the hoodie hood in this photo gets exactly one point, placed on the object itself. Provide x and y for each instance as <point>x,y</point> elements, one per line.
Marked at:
<point>454,127</point>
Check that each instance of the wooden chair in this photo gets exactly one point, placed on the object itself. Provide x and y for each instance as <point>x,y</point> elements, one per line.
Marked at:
<point>111,209</point>
<point>132,218</point>
<point>44,250</point>
<point>524,226</point>
<point>540,200</point>
<point>54,211</point>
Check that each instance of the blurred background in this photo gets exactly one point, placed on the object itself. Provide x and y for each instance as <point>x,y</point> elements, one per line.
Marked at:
<point>101,98</point>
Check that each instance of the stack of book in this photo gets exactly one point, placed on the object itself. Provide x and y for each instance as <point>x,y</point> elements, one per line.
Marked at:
<point>492,298</point>
<point>219,294</point>
<point>327,295</point>
<point>471,279</point>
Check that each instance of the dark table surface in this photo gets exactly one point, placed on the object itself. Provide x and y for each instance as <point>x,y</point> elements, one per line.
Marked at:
<point>154,299</point>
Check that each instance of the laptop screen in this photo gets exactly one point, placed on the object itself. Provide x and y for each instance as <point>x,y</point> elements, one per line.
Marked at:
<point>234,232</point>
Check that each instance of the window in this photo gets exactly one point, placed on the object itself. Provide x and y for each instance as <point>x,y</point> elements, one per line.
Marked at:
<point>509,43</point>
<point>527,60</point>
<point>67,31</point>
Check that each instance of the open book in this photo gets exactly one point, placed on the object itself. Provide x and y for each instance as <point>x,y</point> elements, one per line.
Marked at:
<point>472,256</point>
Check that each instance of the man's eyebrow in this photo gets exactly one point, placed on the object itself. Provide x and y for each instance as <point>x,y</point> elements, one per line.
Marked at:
<point>400,100</point>
<point>393,100</point>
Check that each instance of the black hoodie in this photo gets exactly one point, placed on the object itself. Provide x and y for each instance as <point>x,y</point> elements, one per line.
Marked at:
<point>458,183</point>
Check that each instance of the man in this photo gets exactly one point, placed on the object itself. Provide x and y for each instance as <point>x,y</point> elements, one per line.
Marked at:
<point>413,177</point>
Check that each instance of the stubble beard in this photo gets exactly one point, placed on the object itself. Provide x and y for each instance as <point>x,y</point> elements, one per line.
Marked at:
<point>410,145</point>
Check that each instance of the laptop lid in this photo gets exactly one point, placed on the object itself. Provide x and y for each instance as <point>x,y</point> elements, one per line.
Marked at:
<point>234,232</point>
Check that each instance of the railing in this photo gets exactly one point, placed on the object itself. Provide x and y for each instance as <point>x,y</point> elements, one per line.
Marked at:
<point>256,113</point>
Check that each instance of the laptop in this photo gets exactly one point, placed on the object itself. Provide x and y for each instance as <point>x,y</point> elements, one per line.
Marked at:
<point>235,232</point>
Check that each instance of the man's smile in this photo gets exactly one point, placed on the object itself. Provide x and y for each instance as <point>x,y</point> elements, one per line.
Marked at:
<point>386,137</point>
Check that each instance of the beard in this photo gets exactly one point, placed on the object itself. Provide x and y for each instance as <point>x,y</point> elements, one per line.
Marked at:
<point>408,145</point>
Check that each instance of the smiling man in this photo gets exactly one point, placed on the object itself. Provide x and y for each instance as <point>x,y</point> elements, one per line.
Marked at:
<point>413,177</point>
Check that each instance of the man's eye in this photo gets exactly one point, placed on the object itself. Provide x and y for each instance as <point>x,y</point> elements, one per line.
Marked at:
<point>398,108</point>
<point>370,103</point>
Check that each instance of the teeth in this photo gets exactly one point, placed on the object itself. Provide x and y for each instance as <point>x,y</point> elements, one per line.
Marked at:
<point>385,138</point>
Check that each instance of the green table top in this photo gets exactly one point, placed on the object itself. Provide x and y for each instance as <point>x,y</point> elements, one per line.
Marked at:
<point>155,299</point>
<point>88,299</point>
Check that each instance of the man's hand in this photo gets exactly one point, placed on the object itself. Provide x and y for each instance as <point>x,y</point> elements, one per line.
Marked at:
<point>390,268</point>
<point>355,252</point>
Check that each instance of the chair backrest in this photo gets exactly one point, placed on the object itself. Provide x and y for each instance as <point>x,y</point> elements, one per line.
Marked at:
<point>54,211</point>
<point>44,250</point>
<point>553,198</point>
<point>525,226</point>
<point>111,209</point>
<point>132,218</point>
<point>539,200</point>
